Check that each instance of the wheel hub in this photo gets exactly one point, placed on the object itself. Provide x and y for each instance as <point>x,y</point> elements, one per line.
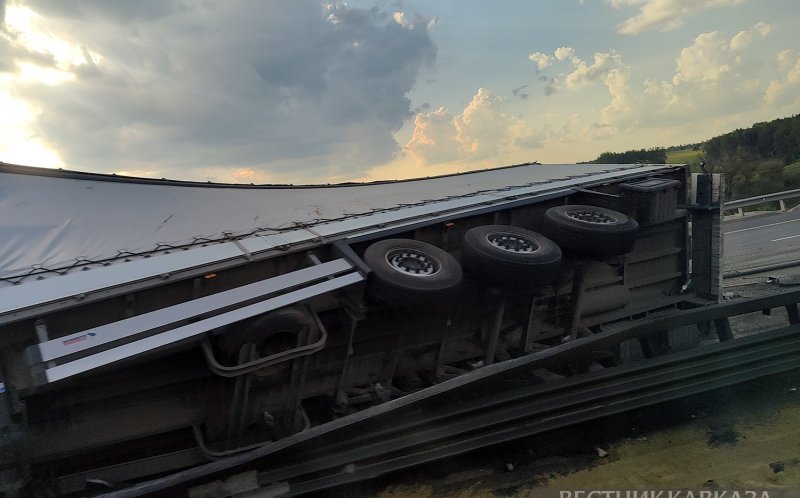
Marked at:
<point>512,243</point>
<point>591,216</point>
<point>412,262</point>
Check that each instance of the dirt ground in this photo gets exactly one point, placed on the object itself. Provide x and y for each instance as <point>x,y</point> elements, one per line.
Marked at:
<point>744,438</point>
<point>751,442</point>
<point>744,448</point>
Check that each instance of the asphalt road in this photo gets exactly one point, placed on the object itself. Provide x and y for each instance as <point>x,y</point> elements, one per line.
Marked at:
<point>761,240</point>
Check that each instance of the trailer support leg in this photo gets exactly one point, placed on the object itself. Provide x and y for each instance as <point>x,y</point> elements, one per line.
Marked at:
<point>794,316</point>
<point>527,329</point>
<point>724,331</point>
<point>577,298</point>
<point>494,333</point>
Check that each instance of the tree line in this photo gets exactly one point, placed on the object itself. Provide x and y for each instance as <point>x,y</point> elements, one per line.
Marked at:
<point>757,160</point>
<point>656,155</point>
<point>777,139</point>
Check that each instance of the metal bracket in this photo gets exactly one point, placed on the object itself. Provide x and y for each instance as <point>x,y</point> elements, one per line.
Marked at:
<point>267,361</point>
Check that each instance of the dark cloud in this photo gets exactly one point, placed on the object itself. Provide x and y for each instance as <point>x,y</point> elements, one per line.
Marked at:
<point>551,86</point>
<point>290,86</point>
<point>116,10</point>
<point>425,107</point>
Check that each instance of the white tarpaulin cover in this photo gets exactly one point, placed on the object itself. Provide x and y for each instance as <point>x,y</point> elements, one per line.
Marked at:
<point>51,218</point>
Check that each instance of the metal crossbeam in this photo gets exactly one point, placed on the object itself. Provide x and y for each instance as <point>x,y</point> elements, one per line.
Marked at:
<point>104,334</point>
<point>172,336</point>
<point>170,325</point>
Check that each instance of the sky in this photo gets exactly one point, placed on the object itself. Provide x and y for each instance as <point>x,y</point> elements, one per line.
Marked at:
<point>299,91</point>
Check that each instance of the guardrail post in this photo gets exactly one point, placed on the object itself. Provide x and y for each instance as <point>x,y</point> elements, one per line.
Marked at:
<point>741,211</point>
<point>783,204</point>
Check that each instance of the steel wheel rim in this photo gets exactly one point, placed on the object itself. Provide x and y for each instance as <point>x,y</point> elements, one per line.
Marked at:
<point>511,242</point>
<point>591,216</point>
<point>412,262</point>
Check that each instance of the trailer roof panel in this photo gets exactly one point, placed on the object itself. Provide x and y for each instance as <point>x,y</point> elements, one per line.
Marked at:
<point>54,220</point>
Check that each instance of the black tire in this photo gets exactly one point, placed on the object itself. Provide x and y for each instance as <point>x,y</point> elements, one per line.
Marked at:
<point>590,230</point>
<point>289,321</point>
<point>510,256</point>
<point>406,271</point>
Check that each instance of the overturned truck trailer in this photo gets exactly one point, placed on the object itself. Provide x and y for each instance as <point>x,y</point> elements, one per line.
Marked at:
<point>148,326</point>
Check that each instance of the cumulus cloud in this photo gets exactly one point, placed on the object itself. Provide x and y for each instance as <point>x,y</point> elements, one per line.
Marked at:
<point>400,18</point>
<point>482,130</point>
<point>195,84</point>
<point>580,74</point>
<point>563,53</point>
<point>434,138</point>
<point>742,39</point>
<point>560,54</point>
<point>708,59</point>
<point>786,89</point>
<point>785,58</point>
<point>664,15</point>
<point>620,107</point>
<point>715,74</point>
<point>584,74</point>
<point>541,60</point>
<point>712,57</point>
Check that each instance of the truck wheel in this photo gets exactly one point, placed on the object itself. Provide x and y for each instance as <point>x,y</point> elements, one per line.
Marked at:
<point>510,256</point>
<point>406,271</point>
<point>590,230</point>
<point>272,332</point>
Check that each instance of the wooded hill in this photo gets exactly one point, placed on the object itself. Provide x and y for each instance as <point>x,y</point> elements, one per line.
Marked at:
<point>761,159</point>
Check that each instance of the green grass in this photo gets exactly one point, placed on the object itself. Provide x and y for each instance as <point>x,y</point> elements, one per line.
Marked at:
<point>791,175</point>
<point>684,156</point>
<point>793,168</point>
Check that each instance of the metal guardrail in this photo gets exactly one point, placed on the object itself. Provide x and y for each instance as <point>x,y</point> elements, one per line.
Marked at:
<point>760,199</point>
<point>483,407</point>
<point>738,204</point>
